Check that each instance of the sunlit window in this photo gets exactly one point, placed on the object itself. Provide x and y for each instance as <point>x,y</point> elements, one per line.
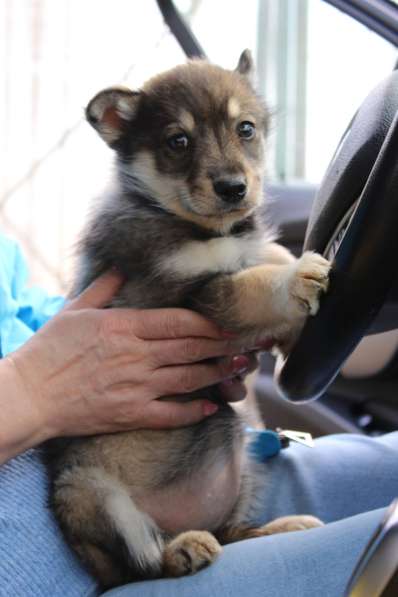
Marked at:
<point>315,65</point>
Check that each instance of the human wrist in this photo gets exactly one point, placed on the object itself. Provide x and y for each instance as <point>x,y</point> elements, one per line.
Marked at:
<point>23,416</point>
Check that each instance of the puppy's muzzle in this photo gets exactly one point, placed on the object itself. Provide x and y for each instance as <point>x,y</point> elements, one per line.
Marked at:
<point>231,190</point>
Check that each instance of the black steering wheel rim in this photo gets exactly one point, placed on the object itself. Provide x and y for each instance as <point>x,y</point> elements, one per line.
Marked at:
<point>354,222</point>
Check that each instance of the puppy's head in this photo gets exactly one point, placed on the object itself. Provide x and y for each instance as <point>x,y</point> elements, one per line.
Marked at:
<point>192,139</point>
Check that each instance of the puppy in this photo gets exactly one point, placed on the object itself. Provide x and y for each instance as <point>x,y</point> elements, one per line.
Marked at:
<point>182,222</point>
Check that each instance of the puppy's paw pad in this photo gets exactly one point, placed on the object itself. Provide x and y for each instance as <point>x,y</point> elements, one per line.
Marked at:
<point>190,552</point>
<point>310,279</point>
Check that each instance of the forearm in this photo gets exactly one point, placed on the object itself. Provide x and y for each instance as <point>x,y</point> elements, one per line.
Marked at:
<point>22,424</point>
<point>277,255</point>
<point>251,299</point>
<point>273,298</point>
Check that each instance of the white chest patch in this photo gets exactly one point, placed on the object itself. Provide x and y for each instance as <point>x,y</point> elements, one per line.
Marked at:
<point>218,255</point>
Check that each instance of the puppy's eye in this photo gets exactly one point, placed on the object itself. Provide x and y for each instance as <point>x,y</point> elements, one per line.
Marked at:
<point>178,142</point>
<point>246,130</point>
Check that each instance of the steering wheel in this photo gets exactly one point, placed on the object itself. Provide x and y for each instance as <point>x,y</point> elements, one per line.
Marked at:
<point>354,224</point>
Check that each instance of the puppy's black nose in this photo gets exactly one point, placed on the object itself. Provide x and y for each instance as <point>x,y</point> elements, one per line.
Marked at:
<point>231,190</point>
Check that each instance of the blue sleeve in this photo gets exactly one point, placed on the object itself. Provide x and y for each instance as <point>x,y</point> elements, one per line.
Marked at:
<point>22,309</point>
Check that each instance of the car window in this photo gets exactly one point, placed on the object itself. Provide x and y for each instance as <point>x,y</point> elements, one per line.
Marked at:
<point>52,164</point>
<point>315,66</point>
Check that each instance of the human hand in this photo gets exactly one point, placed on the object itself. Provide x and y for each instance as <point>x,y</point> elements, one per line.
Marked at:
<point>93,370</point>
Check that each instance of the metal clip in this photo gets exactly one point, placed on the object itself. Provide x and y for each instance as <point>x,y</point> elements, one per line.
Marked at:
<point>301,437</point>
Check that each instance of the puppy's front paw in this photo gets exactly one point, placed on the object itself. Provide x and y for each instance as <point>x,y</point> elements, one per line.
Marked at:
<point>310,279</point>
<point>190,552</point>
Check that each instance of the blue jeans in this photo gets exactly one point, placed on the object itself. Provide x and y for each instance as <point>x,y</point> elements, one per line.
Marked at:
<point>346,480</point>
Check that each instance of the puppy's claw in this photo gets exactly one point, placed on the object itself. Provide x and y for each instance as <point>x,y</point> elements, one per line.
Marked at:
<point>310,280</point>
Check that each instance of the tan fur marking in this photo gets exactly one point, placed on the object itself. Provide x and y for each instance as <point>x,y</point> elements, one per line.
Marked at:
<point>187,121</point>
<point>272,298</point>
<point>233,107</point>
<point>162,186</point>
<point>261,294</point>
<point>288,524</point>
<point>167,190</point>
<point>284,524</point>
<point>190,552</point>
<point>238,533</point>
<point>222,223</point>
<point>274,294</point>
<point>276,254</point>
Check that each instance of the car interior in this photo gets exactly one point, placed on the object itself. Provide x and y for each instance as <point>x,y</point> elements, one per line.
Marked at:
<point>361,398</point>
<point>342,373</point>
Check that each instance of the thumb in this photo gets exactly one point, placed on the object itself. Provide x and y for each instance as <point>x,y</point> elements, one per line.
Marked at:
<point>99,294</point>
<point>162,415</point>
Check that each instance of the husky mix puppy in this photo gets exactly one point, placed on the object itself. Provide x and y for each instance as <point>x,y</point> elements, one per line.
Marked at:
<point>182,222</point>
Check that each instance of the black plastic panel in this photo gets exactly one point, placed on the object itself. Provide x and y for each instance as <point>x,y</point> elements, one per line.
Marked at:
<point>378,15</point>
<point>365,266</point>
<point>353,160</point>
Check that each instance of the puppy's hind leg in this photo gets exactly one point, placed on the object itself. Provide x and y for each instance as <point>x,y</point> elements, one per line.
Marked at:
<point>285,524</point>
<point>117,542</point>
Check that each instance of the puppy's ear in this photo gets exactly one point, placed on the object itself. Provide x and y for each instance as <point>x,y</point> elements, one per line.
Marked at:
<point>246,66</point>
<point>110,112</point>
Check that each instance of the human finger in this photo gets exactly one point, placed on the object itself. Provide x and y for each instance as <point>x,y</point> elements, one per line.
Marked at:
<point>160,324</point>
<point>188,378</point>
<point>98,294</point>
<point>188,350</point>
<point>233,390</point>
<point>167,414</point>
